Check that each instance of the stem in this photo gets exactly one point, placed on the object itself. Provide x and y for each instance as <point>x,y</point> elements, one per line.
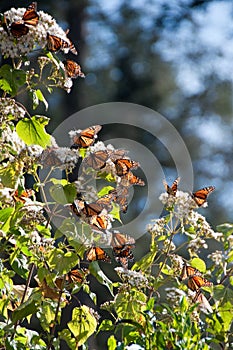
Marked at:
<point>166,254</point>
<point>52,331</point>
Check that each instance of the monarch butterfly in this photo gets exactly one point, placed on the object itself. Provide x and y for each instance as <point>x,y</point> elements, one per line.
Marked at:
<point>123,255</point>
<point>117,154</point>
<point>173,189</point>
<point>21,197</point>
<point>96,160</point>
<point>18,29</point>
<point>75,276</point>
<point>121,240</point>
<point>106,201</point>
<point>124,165</point>
<point>100,221</point>
<point>197,282</point>
<point>97,253</point>
<point>130,179</point>
<point>49,157</point>
<point>73,69</point>
<point>189,271</point>
<point>30,17</point>
<point>86,137</point>
<point>55,43</point>
<point>120,197</point>
<point>201,195</point>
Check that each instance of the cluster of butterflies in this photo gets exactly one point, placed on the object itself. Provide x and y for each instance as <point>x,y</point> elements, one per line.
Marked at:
<point>96,213</point>
<point>199,196</point>
<point>54,43</point>
<point>195,283</point>
<point>122,246</point>
<point>97,160</point>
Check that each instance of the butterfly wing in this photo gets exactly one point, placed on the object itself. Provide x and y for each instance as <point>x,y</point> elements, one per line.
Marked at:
<point>189,271</point>
<point>73,69</point>
<point>86,137</point>
<point>201,195</point>
<point>96,160</point>
<point>173,189</point>
<point>124,165</point>
<point>30,16</point>
<point>130,179</point>
<point>97,253</point>
<point>197,282</point>
<point>18,29</point>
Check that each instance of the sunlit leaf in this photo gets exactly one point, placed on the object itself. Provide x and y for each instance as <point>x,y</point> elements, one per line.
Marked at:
<point>145,262</point>
<point>83,324</point>
<point>32,131</point>
<point>198,264</point>
<point>63,194</point>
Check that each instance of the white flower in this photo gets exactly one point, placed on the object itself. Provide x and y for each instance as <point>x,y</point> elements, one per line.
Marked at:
<point>134,278</point>
<point>36,37</point>
<point>217,257</point>
<point>9,109</point>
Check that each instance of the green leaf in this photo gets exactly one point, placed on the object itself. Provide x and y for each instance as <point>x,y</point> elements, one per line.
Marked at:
<point>5,218</point>
<point>63,194</point>
<point>29,307</point>
<point>226,229</point>
<point>105,190</point>
<point>115,212</point>
<point>69,339</point>
<point>106,325</point>
<point>198,264</point>
<point>32,131</point>
<point>19,263</point>
<point>226,313</point>
<point>40,98</point>
<point>12,79</point>
<point>112,343</point>
<point>100,276</point>
<point>9,175</point>
<point>62,262</point>
<point>83,324</point>
<point>146,260</point>
<point>133,308</point>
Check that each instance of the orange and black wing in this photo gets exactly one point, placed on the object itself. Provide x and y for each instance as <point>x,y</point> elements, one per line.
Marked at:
<point>30,16</point>
<point>201,195</point>
<point>121,240</point>
<point>75,276</point>
<point>18,29</point>
<point>97,253</point>
<point>96,160</point>
<point>123,255</point>
<point>173,189</point>
<point>124,165</point>
<point>130,179</point>
<point>55,43</point>
<point>189,271</point>
<point>73,69</point>
<point>100,221</point>
<point>86,137</point>
<point>20,197</point>
<point>197,282</point>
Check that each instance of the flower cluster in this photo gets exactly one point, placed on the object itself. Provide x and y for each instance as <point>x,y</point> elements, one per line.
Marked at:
<point>134,278</point>
<point>9,109</point>
<point>36,37</point>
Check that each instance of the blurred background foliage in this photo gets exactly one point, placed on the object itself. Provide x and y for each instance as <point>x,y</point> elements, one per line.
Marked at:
<point>172,56</point>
